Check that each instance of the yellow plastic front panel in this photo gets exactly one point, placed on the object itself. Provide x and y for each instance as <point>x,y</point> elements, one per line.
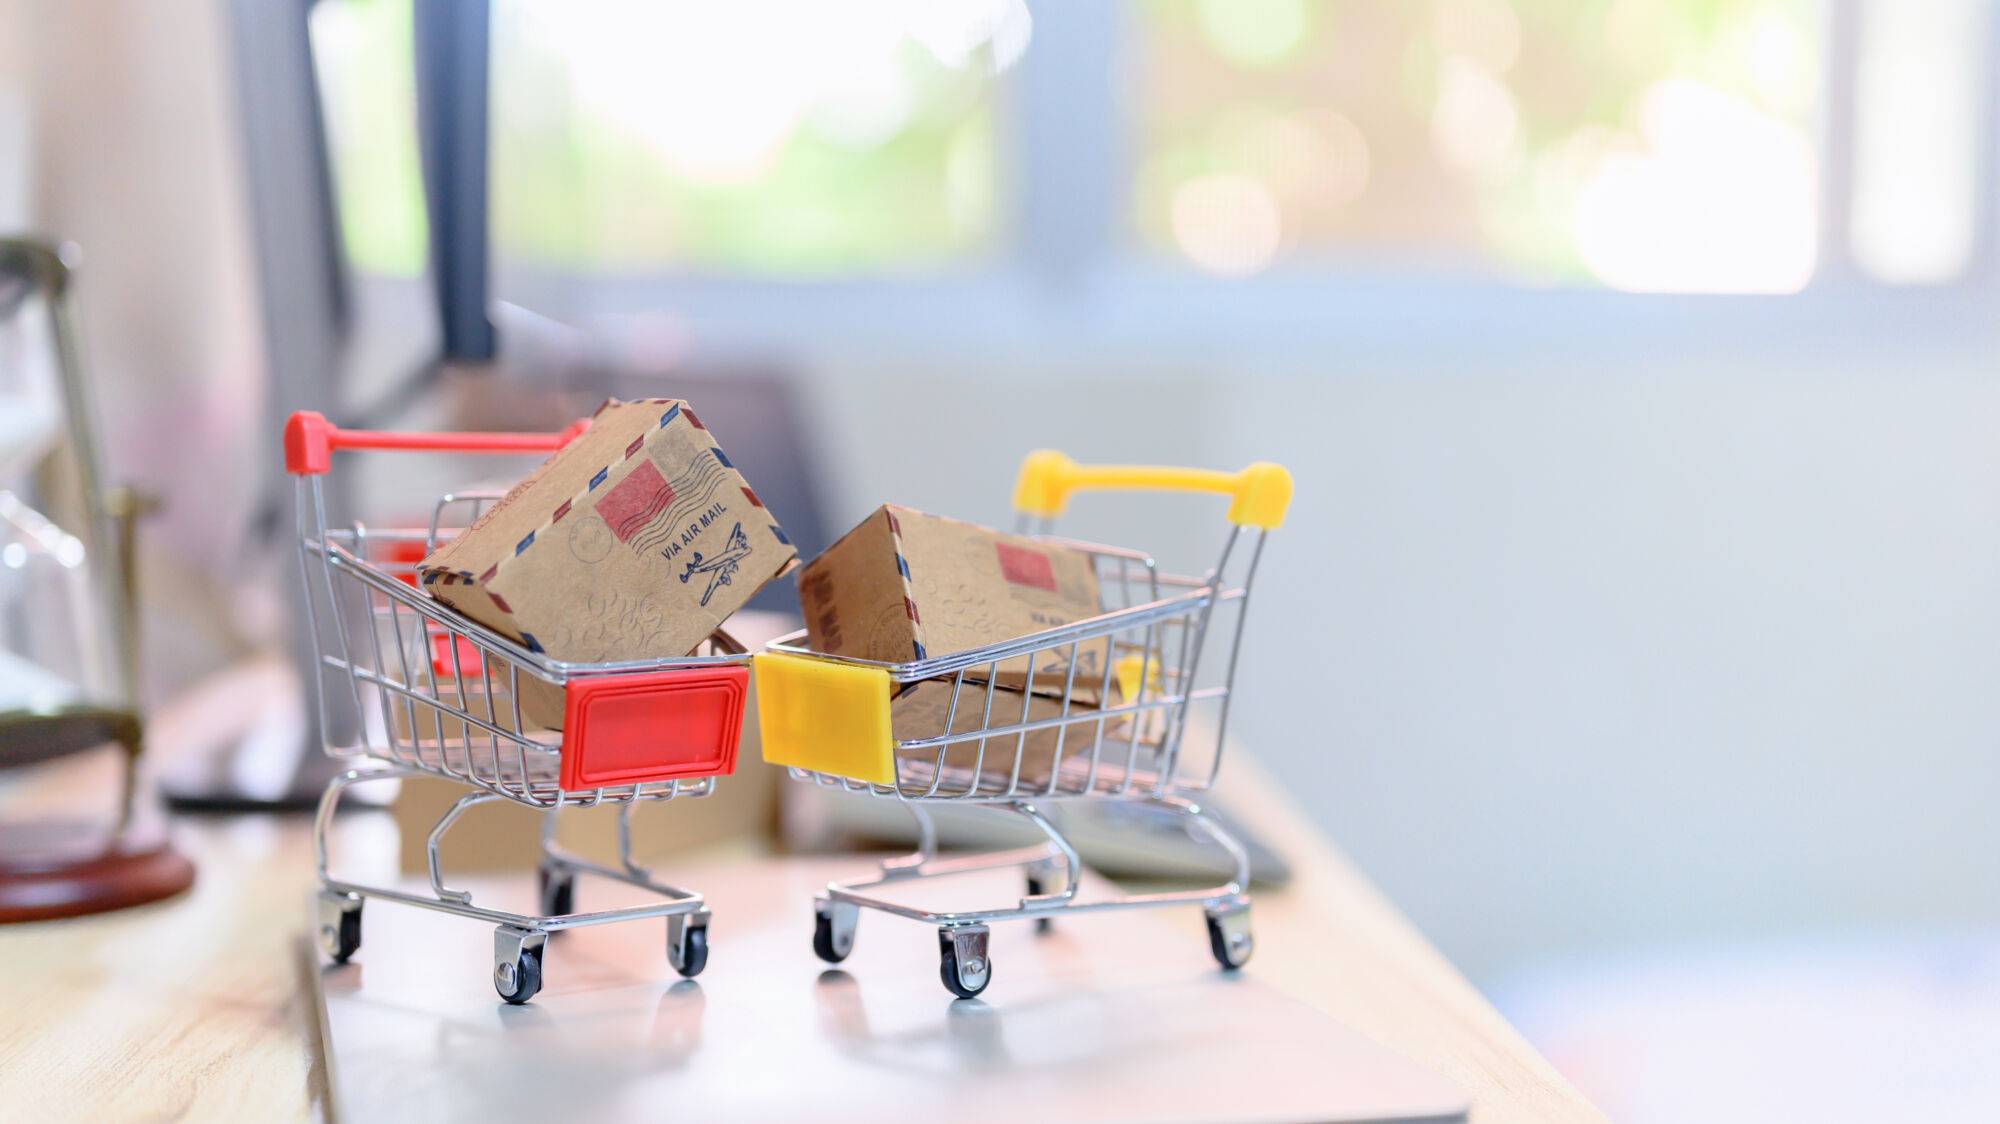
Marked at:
<point>825,716</point>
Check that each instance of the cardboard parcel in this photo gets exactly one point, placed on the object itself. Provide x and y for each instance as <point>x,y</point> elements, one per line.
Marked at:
<point>634,541</point>
<point>905,585</point>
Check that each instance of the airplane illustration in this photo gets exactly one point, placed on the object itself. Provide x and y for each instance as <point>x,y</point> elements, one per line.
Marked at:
<point>722,567</point>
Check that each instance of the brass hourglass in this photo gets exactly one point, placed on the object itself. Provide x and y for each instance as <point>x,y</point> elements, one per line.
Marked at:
<point>68,649</point>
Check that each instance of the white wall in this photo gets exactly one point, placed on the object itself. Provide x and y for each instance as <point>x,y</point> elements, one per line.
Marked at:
<point>128,148</point>
<point>14,117</point>
<point>1570,658</point>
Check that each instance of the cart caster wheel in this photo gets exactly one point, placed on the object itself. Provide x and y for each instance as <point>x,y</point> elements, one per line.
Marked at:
<point>519,980</point>
<point>963,963</point>
<point>1036,888</point>
<point>1229,936</point>
<point>556,891</point>
<point>687,943</point>
<point>833,929</point>
<point>517,963</point>
<point>339,926</point>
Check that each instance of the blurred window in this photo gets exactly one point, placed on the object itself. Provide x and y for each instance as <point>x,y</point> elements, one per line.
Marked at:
<point>1641,144</point>
<point>367,84</point>
<point>1645,145</point>
<point>792,137</point>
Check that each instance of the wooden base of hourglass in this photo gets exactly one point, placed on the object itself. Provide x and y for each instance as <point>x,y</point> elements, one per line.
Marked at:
<point>70,867</point>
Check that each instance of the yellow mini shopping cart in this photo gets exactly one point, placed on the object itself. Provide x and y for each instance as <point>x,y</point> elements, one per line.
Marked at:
<point>1167,648</point>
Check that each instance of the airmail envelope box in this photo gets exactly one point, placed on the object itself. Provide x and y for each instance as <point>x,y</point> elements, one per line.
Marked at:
<point>634,541</point>
<point>905,585</point>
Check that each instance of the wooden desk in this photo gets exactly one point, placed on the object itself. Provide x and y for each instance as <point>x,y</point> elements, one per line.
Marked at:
<point>194,1008</point>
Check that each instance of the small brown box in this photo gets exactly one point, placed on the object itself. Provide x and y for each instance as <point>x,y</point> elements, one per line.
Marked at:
<point>634,541</point>
<point>904,585</point>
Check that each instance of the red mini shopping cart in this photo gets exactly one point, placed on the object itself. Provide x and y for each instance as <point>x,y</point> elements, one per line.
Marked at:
<point>408,687</point>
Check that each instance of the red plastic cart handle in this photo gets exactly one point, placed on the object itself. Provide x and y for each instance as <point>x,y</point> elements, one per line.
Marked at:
<point>310,441</point>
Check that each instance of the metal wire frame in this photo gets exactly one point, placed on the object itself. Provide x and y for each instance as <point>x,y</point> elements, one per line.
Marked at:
<point>390,644</point>
<point>674,900</point>
<point>380,636</point>
<point>1160,621</point>
<point>1164,623</point>
<point>1055,856</point>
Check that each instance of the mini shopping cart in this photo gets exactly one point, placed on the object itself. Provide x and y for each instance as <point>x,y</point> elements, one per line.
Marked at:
<point>411,688</point>
<point>1166,649</point>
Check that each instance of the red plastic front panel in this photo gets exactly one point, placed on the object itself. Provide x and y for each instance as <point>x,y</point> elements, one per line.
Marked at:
<point>652,726</point>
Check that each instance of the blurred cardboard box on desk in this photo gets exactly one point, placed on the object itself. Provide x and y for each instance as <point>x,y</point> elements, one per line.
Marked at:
<point>634,541</point>
<point>905,585</point>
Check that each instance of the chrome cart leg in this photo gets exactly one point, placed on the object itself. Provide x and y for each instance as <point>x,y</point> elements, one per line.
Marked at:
<point>914,862</point>
<point>1228,912</point>
<point>329,801</point>
<point>964,964</point>
<point>833,928</point>
<point>555,880</point>
<point>1229,936</point>
<point>1064,858</point>
<point>1042,877</point>
<point>339,909</point>
<point>1239,856</point>
<point>687,942</point>
<point>555,888</point>
<point>444,893</point>
<point>339,924</point>
<point>626,858</point>
<point>517,962</point>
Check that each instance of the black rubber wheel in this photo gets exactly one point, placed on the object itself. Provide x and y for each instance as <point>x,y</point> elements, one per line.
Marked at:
<point>527,978</point>
<point>823,939</point>
<point>347,940</point>
<point>695,956</point>
<point>948,971</point>
<point>557,892</point>
<point>1218,946</point>
<point>1036,888</point>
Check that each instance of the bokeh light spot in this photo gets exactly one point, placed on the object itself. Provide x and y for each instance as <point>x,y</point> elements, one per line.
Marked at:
<point>1720,197</point>
<point>1475,123</point>
<point>1227,223</point>
<point>1254,32</point>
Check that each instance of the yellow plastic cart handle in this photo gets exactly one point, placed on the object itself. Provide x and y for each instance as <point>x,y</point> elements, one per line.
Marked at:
<point>1258,495</point>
